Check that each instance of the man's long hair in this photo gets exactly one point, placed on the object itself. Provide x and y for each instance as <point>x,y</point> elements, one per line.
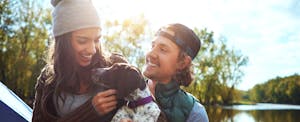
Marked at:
<point>185,76</point>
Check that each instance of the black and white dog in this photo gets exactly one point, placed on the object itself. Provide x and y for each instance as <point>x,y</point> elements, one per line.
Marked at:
<point>131,86</point>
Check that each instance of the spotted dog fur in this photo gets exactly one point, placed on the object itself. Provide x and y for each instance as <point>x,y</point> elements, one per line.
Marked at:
<point>131,86</point>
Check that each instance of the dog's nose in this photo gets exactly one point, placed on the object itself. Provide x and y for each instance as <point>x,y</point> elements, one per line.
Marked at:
<point>99,71</point>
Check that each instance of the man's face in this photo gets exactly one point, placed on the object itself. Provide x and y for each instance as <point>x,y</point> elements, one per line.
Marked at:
<point>161,60</point>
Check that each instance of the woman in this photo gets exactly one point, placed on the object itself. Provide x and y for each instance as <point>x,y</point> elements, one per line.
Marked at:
<point>168,66</point>
<point>64,90</point>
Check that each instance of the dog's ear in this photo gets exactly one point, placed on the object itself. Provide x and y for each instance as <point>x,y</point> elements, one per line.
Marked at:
<point>129,82</point>
<point>142,83</point>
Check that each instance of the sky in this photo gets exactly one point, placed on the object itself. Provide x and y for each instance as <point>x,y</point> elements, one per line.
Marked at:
<point>267,31</point>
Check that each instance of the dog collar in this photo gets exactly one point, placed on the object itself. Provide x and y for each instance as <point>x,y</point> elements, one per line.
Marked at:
<point>139,102</point>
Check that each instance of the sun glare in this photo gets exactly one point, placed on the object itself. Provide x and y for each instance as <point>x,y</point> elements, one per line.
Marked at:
<point>157,12</point>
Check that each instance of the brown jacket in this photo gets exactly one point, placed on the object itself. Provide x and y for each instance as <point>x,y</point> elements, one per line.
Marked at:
<point>44,109</point>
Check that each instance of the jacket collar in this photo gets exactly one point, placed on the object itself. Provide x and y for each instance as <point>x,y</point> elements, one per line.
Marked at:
<point>167,90</point>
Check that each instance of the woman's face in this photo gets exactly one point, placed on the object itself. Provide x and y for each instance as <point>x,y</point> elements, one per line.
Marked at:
<point>162,60</point>
<point>84,43</point>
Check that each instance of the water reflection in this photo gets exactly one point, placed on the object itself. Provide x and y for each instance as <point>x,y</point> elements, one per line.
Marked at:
<point>263,106</point>
<point>239,113</point>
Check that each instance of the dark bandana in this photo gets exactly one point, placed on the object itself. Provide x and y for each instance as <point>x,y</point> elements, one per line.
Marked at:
<point>174,102</point>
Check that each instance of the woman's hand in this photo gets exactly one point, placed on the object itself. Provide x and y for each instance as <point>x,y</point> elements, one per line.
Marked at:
<point>104,102</point>
<point>126,120</point>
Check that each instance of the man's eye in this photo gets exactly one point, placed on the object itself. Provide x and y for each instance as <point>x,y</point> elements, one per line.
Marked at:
<point>97,40</point>
<point>163,49</point>
<point>153,45</point>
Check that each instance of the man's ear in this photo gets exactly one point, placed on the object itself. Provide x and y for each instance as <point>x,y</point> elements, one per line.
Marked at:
<point>186,61</point>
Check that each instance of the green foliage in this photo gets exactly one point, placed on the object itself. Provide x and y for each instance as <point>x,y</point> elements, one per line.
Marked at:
<point>23,40</point>
<point>126,37</point>
<point>278,90</point>
<point>218,69</point>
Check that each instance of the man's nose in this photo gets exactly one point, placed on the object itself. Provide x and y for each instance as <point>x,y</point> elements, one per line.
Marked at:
<point>152,54</point>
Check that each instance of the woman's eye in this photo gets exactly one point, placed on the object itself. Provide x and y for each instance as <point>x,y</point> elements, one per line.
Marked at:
<point>81,41</point>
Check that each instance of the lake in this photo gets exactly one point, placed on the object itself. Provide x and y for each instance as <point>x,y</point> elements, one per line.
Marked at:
<point>261,112</point>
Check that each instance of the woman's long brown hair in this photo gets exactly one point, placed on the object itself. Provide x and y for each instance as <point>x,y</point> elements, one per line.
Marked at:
<point>67,72</point>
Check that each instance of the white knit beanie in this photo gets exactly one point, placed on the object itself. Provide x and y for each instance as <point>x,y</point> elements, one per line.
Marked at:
<point>71,15</point>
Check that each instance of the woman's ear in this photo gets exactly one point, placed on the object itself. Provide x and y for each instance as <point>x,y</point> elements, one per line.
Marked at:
<point>184,62</point>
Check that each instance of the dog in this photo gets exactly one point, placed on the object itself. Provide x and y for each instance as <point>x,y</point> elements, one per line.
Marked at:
<point>131,86</point>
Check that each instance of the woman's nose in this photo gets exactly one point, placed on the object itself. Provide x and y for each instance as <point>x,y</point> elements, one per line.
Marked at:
<point>91,48</point>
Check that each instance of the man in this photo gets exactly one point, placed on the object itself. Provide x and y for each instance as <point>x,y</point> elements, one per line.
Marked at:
<point>168,66</point>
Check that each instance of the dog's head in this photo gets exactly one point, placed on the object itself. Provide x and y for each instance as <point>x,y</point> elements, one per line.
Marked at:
<point>120,76</point>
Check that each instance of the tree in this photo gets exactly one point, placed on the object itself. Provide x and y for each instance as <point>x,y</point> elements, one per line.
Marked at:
<point>126,37</point>
<point>217,70</point>
<point>24,38</point>
<point>278,90</point>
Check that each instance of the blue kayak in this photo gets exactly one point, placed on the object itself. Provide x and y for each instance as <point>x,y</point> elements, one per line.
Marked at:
<point>12,108</point>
